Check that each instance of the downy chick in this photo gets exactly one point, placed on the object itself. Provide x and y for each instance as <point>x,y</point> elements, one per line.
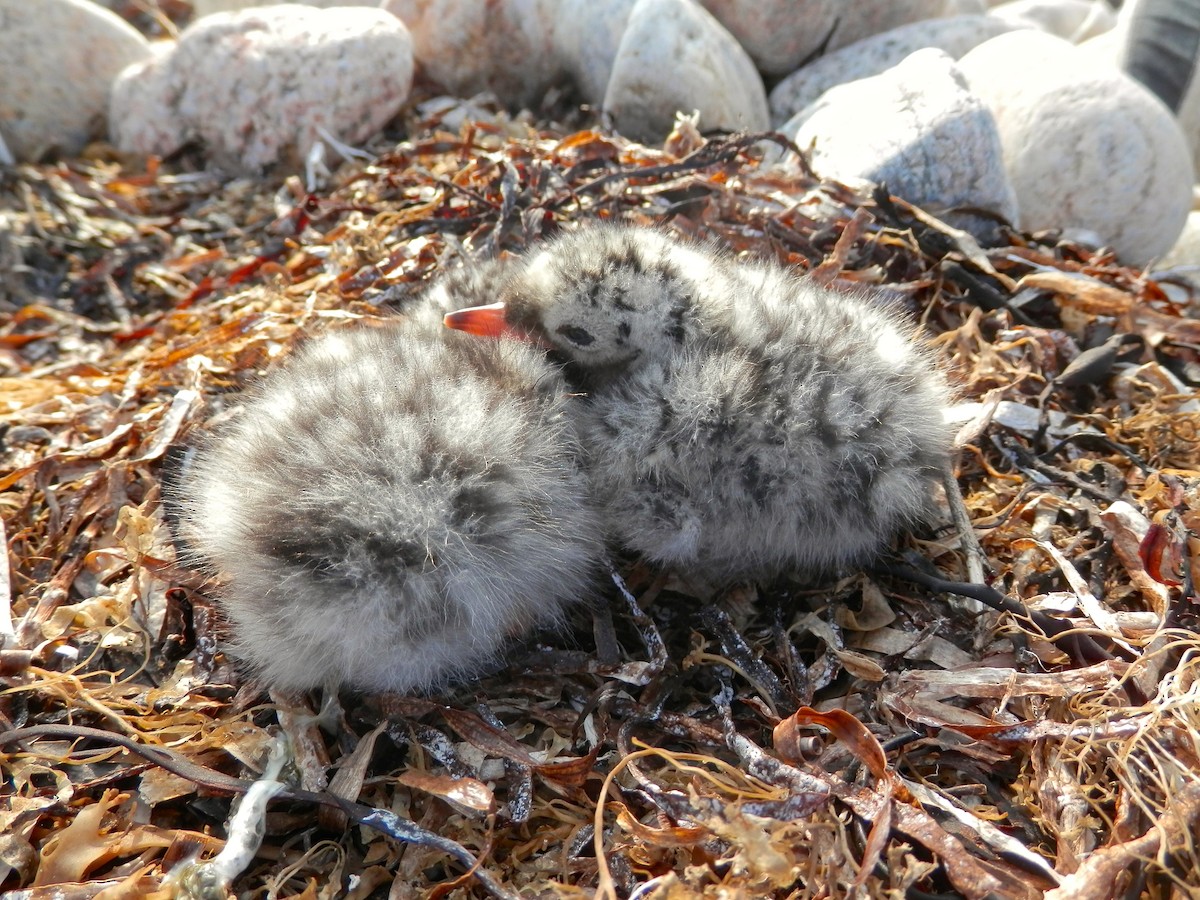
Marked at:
<point>393,504</point>
<point>739,421</point>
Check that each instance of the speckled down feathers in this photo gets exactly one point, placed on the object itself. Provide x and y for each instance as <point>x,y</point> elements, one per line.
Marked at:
<point>393,504</point>
<point>740,421</point>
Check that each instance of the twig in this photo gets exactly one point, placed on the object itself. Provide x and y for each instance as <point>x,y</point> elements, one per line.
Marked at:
<point>966,530</point>
<point>8,635</point>
<point>1096,877</point>
<point>734,646</point>
<point>711,154</point>
<point>647,630</point>
<point>1078,645</point>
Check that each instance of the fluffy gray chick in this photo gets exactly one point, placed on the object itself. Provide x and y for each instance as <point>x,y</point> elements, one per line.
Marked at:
<point>739,421</point>
<point>393,504</point>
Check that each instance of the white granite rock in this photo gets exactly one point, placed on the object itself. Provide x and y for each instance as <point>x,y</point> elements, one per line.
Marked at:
<point>870,56</point>
<point>142,113</point>
<point>57,61</point>
<point>1157,42</point>
<point>471,46</point>
<point>1086,147</point>
<point>918,128</point>
<point>586,36</point>
<point>259,86</point>
<point>674,56</point>
<point>1074,20</point>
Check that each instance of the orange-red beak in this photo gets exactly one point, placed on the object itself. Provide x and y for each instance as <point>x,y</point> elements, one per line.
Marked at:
<point>483,321</point>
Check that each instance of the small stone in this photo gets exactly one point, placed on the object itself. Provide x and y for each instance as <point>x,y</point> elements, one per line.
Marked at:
<point>260,86</point>
<point>675,57</point>
<point>587,34</point>
<point>1073,20</point>
<point>57,61</point>
<point>919,129</point>
<point>1086,147</point>
<point>1186,252</point>
<point>467,47</point>
<point>872,55</point>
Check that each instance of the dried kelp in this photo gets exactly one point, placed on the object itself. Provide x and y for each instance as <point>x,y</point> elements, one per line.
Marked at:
<point>871,736</point>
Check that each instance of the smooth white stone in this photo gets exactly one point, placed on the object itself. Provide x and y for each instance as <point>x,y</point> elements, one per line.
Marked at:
<point>919,129</point>
<point>872,55</point>
<point>471,46</point>
<point>57,61</point>
<point>1073,20</point>
<point>778,34</point>
<point>1086,147</point>
<point>260,86</point>
<point>587,34</point>
<point>675,57</point>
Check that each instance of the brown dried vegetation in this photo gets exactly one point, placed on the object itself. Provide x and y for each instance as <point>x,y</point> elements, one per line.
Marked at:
<point>863,738</point>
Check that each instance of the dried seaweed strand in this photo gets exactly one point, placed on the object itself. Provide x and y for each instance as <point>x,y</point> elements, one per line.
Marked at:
<point>381,820</point>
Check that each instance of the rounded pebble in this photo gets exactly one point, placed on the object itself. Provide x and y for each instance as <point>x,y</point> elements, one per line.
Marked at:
<point>262,86</point>
<point>872,55</point>
<point>57,62</point>
<point>778,34</point>
<point>675,57</point>
<point>470,46</point>
<point>1086,147</point>
<point>587,35</point>
<point>919,129</point>
<point>1073,20</point>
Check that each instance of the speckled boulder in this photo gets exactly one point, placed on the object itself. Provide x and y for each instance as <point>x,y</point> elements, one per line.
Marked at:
<point>1086,147</point>
<point>57,61</point>
<point>918,128</point>
<point>675,57</point>
<point>471,46</point>
<point>260,86</point>
<point>870,56</point>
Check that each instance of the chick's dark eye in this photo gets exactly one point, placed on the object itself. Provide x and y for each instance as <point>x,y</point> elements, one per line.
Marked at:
<point>578,336</point>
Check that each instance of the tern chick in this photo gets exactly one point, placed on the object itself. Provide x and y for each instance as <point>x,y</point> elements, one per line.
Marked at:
<point>739,421</point>
<point>393,504</point>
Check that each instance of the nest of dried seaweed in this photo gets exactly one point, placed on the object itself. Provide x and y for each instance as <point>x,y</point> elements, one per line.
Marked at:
<point>884,734</point>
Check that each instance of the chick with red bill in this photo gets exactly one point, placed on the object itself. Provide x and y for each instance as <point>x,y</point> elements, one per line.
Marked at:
<point>393,505</point>
<point>738,421</point>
